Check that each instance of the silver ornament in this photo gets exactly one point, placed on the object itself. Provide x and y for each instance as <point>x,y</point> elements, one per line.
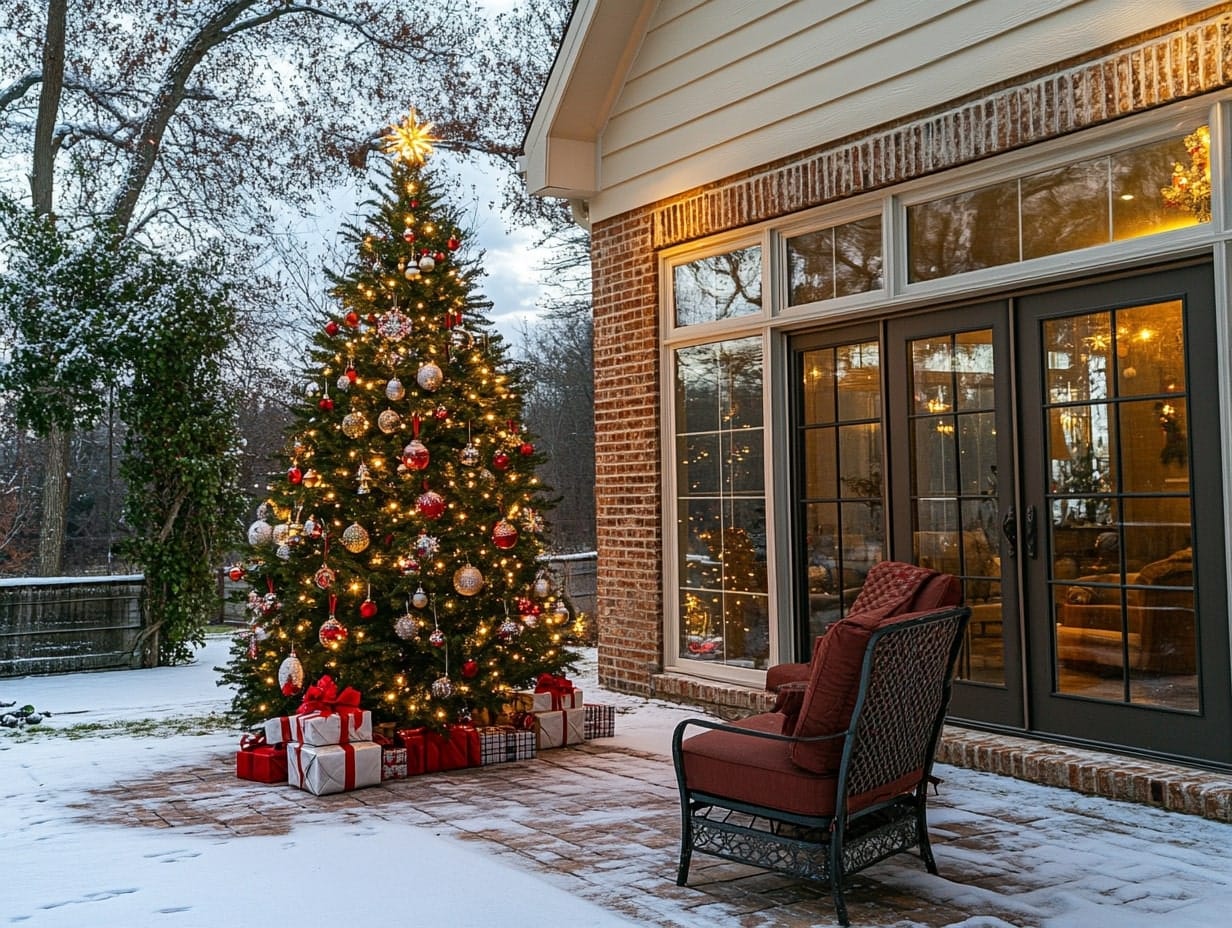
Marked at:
<point>260,533</point>
<point>427,263</point>
<point>469,455</point>
<point>508,629</point>
<point>406,627</point>
<point>284,552</point>
<point>442,687</point>
<point>291,673</point>
<point>394,389</point>
<point>430,377</point>
<point>388,421</point>
<point>343,383</point>
<point>419,599</point>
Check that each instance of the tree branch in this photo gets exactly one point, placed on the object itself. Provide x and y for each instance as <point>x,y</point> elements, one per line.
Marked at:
<point>17,89</point>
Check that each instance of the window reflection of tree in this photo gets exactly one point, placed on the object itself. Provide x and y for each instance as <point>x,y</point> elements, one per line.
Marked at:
<point>963,233</point>
<point>719,287</point>
<point>835,262</point>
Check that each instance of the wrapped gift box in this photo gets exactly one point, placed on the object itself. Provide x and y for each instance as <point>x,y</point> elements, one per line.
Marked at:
<point>333,768</point>
<point>560,727</point>
<point>529,701</point>
<point>501,743</point>
<point>343,726</point>
<point>430,751</point>
<point>265,764</point>
<point>412,740</point>
<point>600,720</point>
<point>393,763</point>
<point>454,749</point>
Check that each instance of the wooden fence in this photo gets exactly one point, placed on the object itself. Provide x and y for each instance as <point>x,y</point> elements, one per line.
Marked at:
<point>68,624</point>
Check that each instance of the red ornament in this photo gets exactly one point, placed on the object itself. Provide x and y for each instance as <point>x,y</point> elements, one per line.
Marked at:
<point>440,414</point>
<point>439,257</point>
<point>408,235</point>
<point>414,204</point>
<point>295,476</point>
<point>332,632</point>
<point>331,328</point>
<point>352,374</point>
<point>415,455</point>
<point>526,449</point>
<point>236,572</point>
<point>453,242</point>
<point>367,609</point>
<point>326,403</point>
<point>500,461</point>
<point>431,505</point>
<point>504,534</point>
<point>352,319</point>
<point>470,667</point>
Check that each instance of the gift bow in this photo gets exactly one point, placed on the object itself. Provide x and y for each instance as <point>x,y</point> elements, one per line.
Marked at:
<point>324,697</point>
<point>559,686</point>
<point>252,741</point>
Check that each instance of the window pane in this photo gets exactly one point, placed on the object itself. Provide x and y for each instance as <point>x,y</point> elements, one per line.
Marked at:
<point>721,509</point>
<point>962,233</point>
<point>810,267</point>
<point>1162,186</point>
<point>719,287</point>
<point>857,257</point>
<point>1065,209</point>
<point>818,389</point>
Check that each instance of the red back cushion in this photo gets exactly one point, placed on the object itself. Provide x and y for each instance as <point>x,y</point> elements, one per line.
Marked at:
<point>831,693</point>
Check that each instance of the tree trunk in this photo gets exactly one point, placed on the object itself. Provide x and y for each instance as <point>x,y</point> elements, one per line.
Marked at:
<point>42,170</point>
<point>55,503</point>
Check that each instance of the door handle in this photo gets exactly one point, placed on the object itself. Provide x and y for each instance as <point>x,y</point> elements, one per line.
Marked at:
<point>1031,530</point>
<point>1009,528</point>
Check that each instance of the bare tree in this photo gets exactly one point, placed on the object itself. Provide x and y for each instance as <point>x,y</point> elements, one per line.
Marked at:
<point>184,125</point>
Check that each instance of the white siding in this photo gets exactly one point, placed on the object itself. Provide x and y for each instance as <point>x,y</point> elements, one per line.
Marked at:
<point>720,86</point>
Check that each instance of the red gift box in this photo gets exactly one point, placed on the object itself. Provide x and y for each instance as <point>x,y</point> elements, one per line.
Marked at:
<point>455,748</point>
<point>264,764</point>
<point>412,739</point>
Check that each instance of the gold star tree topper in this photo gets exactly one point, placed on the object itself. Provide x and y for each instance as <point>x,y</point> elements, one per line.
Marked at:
<point>411,140</point>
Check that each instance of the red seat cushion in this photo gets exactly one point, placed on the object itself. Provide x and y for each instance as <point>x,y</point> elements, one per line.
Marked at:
<point>759,771</point>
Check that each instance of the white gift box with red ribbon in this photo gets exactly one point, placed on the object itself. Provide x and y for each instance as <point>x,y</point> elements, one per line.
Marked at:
<point>341,726</point>
<point>333,768</point>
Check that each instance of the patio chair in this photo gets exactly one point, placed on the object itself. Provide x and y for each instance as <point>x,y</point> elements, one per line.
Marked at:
<point>890,588</point>
<point>843,785</point>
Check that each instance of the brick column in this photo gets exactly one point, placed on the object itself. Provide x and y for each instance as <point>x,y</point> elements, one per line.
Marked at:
<point>628,476</point>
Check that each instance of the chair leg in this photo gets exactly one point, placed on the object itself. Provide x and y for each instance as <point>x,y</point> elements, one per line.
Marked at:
<point>926,847</point>
<point>837,875</point>
<point>686,844</point>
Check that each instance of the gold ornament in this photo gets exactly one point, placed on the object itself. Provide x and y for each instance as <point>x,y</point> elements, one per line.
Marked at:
<point>355,538</point>
<point>354,424</point>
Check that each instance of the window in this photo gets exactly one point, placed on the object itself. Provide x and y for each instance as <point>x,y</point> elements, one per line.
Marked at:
<point>720,287</point>
<point>834,262</point>
<point>721,504</point>
<point>1128,194</point>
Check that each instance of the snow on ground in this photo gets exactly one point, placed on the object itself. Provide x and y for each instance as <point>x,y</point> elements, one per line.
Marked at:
<point>60,870</point>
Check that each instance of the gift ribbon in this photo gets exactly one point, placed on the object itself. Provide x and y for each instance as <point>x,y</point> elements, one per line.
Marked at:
<point>348,771</point>
<point>252,741</point>
<point>559,687</point>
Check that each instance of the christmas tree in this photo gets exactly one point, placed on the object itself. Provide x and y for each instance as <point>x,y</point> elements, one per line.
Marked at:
<point>398,554</point>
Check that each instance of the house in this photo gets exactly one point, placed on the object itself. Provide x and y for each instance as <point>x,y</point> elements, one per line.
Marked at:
<point>944,282</point>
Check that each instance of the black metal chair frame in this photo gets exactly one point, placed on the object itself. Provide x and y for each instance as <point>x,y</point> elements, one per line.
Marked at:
<point>904,690</point>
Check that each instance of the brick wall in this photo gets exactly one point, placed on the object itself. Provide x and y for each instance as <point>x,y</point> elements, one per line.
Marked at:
<point>1191,57</point>
<point>628,478</point>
